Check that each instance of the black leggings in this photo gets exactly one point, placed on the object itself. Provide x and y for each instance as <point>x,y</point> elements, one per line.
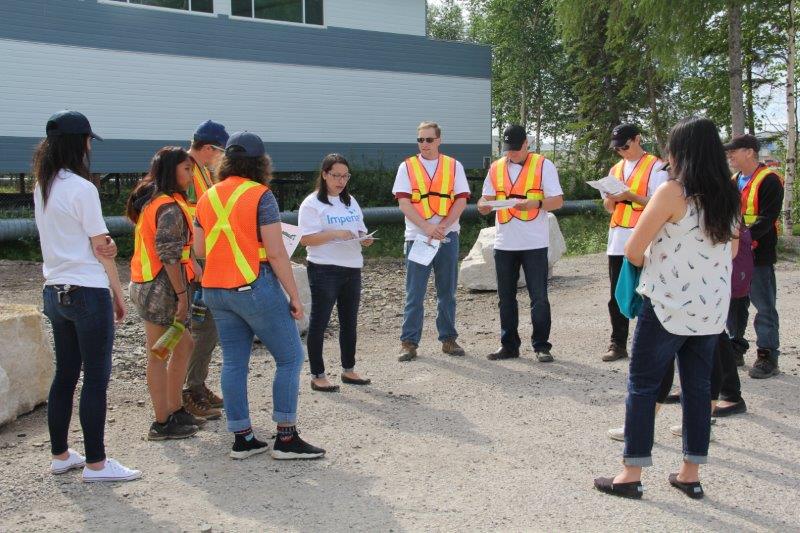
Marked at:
<point>723,358</point>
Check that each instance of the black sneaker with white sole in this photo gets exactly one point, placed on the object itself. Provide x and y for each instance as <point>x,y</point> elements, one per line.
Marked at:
<point>243,448</point>
<point>186,418</point>
<point>171,429</point>
<point>295,448</point>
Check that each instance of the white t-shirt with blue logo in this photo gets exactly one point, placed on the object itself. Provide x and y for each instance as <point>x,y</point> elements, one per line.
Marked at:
<point>316,216</point>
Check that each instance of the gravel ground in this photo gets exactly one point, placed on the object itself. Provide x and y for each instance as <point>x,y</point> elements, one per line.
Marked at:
<point>441,443</point>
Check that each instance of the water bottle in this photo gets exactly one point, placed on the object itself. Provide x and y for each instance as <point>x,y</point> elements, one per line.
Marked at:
<point>167,342</point>
<point>198,307</point>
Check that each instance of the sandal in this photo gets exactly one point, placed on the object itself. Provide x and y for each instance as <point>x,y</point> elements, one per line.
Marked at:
<point>632,490</point>
<point>693,490</point>
<point>355,381</point>
<point>331,388</point>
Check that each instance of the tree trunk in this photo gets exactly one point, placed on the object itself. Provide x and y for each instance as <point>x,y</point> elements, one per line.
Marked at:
<point>735,66</point>
<point>791,126</point>
<point>555,143</point>
<point>751,117</point>
<point>655,116</point>
<point>522,109</point>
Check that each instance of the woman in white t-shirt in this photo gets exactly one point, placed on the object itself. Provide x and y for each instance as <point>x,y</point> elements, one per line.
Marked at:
<point>331,223</point>
<point>78,269</point>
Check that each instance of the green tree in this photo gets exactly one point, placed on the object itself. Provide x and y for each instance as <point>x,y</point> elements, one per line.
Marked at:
<point>446,21</point>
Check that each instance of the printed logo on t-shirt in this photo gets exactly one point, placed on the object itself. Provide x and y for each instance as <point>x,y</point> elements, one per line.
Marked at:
<point>342,220</point>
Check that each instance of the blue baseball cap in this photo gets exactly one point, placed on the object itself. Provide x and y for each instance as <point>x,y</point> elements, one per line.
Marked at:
<point>245,144</point>
<point>69,123</point>
<point>211,132</point>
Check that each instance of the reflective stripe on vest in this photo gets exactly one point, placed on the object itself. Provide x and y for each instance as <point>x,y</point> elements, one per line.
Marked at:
<point>201,180</point>
<point>750,194</point>
<point>432,196</point>
<point>145,263</point>
<point>236,264</point>
<point>186,253</point>
<point>626,214</point>
<point>527,187</point>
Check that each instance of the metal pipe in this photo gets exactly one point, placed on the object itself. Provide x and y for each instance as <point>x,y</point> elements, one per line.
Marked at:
<point>21,228</point>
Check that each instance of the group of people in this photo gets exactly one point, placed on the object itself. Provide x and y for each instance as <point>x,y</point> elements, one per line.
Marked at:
<point>210,266</point>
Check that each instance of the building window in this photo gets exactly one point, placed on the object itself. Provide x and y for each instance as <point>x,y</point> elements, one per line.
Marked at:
<point>300,11</point>
<point>201,6</point>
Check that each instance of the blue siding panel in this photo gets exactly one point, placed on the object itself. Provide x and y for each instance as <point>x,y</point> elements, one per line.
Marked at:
<point>123,155</point>
<point>117,27</point>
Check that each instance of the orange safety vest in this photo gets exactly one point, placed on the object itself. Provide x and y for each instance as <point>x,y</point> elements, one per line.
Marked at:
<point>626,214</point>
<point>750,194</point>
<point>201,179</point>
<point>527,187</point>
<point>228,214</point>
<point>432,196</point>
<point>145,263</point>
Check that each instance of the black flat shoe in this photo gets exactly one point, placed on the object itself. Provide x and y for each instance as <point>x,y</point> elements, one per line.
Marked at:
<point>356,381</point>
<point>631,490</point>
<point>331,388</point>
<point>673,398</point>
<point>503,353</point>
<point>735,409</point>
<point>693,490</point>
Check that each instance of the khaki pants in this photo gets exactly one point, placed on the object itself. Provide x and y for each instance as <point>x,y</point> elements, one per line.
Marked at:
<point>205,339</point>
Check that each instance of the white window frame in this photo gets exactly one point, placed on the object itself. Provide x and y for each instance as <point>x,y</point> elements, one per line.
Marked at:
<point>127,3</point>
<point>288,22</point>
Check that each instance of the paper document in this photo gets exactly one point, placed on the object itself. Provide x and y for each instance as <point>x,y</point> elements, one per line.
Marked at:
<point>422,251</point>
<point>362,237</point>
<point>608,185</point>
<point>501,204</point>
<point>291,237</point>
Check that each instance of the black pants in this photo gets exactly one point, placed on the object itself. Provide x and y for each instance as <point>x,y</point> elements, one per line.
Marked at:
<point>619,322</point>
<point>83,331</point>
<point>333,285</point>
<point>725,383</point>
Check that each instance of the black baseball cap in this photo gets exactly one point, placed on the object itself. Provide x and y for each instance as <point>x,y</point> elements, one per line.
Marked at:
<point>244,144</point>
<point>69,123</point>
<point>622,134</point>
<point>513,137</point>
<point>743,141</point>
<point>211,132</point>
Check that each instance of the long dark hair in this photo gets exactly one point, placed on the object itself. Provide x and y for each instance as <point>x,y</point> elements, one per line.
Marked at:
<point>258,169</point>
<point>162,178</point>
<point>701,167</point>
<point>322,189</point>
<point>59,152</point>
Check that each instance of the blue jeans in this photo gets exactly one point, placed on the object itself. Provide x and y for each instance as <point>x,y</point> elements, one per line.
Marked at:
<point>264,311</point>
<point>339,286</point>
<point>763,294</point>
<point>654,348</point>
<point>445,276</point>
<point>534,263</point>
<point>83,331</point>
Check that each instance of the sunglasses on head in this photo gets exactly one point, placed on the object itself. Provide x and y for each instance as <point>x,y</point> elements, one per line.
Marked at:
<point>426,139</point>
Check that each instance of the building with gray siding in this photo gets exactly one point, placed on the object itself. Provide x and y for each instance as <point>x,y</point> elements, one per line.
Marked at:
<point>353,76</point>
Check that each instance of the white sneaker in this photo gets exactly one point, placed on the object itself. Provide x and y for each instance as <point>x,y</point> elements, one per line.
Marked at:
<point>678,432</point>
<point>112,471</point>
<point>617,434</point>
<point>75,460</point>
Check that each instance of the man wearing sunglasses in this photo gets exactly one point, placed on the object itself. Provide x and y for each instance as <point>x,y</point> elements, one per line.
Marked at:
<point>432,191</point>
<point>206,150</point>
<point>642,173</point>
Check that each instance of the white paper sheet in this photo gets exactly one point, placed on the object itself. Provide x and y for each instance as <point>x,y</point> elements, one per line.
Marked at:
<point>362,238</point>
<point>608,185</point>
<point>422,251</point>
<point>501,204</point>
<point>291,237</point>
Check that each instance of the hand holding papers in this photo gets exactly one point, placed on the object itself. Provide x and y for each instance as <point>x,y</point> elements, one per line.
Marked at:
<point>422,251</point>
<point>500,204</point>
<point>367,237</point>
<point>608,186</point>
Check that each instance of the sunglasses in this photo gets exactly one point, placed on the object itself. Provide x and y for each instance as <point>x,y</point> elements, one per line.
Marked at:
<point>621,148</point>
<point>426,139</point>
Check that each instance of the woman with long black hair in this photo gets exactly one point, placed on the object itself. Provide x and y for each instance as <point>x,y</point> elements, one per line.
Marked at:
<point>685,242</point>
<point>159,284</point>
<point>331,221</point>
<point>79,269</point>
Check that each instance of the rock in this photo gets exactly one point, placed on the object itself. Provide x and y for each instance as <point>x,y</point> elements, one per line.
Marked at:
<point>26,361</point>
<point>477,269</point>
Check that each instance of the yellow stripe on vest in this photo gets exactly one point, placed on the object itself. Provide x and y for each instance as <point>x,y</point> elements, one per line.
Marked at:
<point>223,226</point>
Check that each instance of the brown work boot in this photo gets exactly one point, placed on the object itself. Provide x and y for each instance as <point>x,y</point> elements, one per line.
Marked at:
<point>408,351</point>
<point>615,351</point>
<point>213,399</point>
<point>197,405</point>
<point>451,347</point>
